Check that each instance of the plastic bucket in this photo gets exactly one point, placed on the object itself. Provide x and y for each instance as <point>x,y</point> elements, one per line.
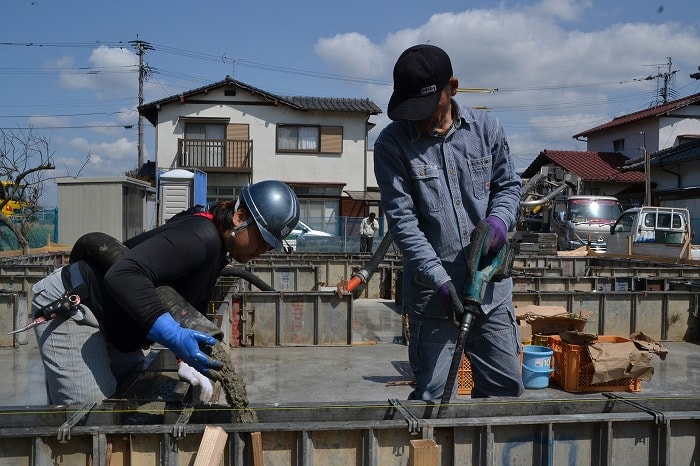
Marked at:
<point>537,366</point>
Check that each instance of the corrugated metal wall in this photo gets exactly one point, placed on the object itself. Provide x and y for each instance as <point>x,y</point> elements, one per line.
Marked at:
<point>97,204</point>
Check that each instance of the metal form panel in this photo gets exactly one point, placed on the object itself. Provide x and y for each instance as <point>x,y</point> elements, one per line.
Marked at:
<point>7,319</point>
<point>296,319</point>
<point>334,268</point>
<point>20,279</point>
<point>286,278</point>
<point>589,430</point>
<point>552,265</point>
<point>662,315</point>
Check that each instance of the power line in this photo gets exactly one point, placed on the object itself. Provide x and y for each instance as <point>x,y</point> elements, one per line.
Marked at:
<point>68,114</point>
<point>66,127</point>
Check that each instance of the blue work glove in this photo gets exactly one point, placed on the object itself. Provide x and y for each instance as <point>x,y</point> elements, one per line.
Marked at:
<point>498,234</point>
<point>184,343</point>
<point>451,301</point>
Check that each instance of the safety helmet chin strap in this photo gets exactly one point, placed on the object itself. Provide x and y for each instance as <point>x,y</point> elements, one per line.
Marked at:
<point>245,223</point>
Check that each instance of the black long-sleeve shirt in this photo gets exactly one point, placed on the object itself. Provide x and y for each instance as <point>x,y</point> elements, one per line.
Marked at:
<point>186,254</point>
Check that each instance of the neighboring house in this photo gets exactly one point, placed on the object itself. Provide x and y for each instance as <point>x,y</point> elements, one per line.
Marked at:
<point>676,175</point>
<point>604,167</point>
<point>648,130</point>
<point>239,134</point>
<point>598,173</point>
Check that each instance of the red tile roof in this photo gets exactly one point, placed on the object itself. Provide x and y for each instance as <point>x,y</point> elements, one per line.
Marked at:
<point>589,166</point>
<point>660,110</point>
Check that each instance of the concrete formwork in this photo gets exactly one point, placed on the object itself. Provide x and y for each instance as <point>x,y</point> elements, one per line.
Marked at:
<point>592,430</point>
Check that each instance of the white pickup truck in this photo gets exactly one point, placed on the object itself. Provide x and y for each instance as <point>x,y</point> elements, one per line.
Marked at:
<point>654,232</point>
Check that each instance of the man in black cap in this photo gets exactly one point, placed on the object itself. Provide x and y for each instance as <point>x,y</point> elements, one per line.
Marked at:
<point>441,170</point>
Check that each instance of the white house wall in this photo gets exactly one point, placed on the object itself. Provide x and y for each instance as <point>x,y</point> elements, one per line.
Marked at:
<point>672,128</point>
<point>632,134</point>
<point>659,133</point>
<point>262,121</point>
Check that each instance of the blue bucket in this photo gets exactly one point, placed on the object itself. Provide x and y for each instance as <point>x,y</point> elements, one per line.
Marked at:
<point>537,366</point>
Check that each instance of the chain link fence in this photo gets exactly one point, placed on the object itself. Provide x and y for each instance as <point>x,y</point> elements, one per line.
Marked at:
<point>40,229</point>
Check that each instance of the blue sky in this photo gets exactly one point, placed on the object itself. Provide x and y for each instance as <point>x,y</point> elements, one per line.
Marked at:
<point>69,71</point>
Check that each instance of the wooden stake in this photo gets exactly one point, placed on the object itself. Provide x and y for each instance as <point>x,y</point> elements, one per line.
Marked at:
<point>211,449</point>
<point>424,452</point>
<point>256,444</point>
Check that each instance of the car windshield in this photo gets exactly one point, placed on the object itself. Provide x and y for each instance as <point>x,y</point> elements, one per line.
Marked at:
<point>582,210</point>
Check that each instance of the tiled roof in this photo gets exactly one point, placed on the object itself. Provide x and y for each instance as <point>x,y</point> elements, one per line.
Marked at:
<point>653,112</point>
<point>303,103</point>
<point>334,104</point>
<point>683,152</point>
<point>589,166</point>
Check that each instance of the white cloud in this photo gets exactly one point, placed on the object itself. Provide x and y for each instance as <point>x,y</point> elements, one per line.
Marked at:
<point>353,55</point>
<point>113,71</point>
<point>565,10</point>
<point>40,121</point>
<point>554,80</point>
<point>105,158</point>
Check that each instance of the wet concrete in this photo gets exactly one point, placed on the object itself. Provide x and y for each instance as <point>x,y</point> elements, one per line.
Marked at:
<point>374,368</point>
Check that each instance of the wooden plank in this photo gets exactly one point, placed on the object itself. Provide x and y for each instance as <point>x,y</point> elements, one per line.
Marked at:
<point>211,449</point>
<point>145,449</point>
<point>424,452</point>
<point>256,444</point>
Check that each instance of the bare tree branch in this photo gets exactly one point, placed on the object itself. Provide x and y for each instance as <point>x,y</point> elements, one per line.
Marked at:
<point>24,158</point>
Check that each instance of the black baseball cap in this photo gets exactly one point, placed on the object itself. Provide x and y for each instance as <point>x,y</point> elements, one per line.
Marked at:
<point>420,75</point>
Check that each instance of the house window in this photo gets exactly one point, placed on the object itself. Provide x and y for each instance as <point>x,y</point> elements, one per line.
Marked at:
<point>298,139</point>
<point>618,145</point>
<point>205,144</point>
<point>205,131</point>
<point>222,193</point>
<point>319,206</point>
<point>315,139</point>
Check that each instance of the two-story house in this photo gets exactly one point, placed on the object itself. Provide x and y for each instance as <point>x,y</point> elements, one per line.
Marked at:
<point>649,130</point>
<point>661,137</point>
<point>239,134</point>
<point>614,160</point>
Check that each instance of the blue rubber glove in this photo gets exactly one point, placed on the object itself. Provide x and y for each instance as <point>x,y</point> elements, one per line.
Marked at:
<point>450,300</point>
<point>184,343</point>
<point>498,234</point>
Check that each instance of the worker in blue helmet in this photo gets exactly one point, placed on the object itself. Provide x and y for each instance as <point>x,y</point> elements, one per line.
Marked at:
<point>88,350</point>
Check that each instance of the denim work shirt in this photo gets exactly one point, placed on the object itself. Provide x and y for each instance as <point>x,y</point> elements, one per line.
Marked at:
<point>434,190</point>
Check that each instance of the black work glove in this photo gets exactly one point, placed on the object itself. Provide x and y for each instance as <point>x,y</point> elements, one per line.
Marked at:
<point>451,301</point>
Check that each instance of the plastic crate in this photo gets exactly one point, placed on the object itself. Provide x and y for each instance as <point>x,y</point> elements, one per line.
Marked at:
<point>465,382</point>
<point>574,368</point>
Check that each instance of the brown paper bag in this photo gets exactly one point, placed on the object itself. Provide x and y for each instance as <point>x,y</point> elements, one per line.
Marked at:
<point>613,361</point>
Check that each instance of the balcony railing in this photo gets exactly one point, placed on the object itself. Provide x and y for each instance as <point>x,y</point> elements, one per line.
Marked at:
<point>231,155</point>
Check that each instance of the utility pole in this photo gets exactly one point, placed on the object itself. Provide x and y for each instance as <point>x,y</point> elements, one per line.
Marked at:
<point>665,91</point>
<point>647,170</point>
<point>141,48</point>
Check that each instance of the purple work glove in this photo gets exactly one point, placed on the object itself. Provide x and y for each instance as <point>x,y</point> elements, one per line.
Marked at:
<point>450,300</point>
<point>498,234</point>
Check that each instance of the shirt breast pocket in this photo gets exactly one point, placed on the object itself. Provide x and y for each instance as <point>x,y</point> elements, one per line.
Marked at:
<point>480,172</point>
<point>426,179</point>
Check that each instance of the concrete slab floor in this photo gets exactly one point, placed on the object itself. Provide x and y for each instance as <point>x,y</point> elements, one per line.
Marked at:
<point>374,368</point>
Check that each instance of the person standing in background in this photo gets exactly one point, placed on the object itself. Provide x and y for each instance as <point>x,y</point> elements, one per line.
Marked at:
<point>368,228</point>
